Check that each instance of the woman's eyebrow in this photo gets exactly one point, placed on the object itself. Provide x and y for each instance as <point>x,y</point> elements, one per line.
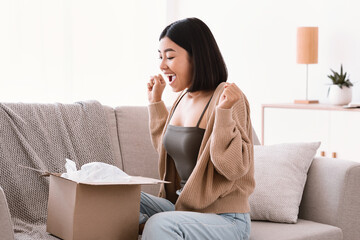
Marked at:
<point>168,50</point>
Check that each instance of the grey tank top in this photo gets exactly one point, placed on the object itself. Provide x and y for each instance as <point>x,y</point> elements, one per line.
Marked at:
<point>183,145</point>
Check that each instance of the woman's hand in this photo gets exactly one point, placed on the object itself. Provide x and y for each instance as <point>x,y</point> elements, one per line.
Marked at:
<point>229,96</point>
<point>155,87</point>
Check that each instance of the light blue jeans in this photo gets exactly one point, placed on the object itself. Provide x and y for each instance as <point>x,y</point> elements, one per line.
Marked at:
<point>163,222</point>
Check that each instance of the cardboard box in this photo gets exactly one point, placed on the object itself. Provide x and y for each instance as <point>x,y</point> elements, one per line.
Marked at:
<point>94,210</point>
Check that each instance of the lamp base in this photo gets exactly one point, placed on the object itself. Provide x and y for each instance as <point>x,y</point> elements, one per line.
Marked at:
<point>306,101</point>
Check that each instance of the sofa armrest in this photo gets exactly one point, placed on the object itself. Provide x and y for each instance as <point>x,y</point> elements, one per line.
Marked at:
<point>332,195</point>
<point>6,228</point>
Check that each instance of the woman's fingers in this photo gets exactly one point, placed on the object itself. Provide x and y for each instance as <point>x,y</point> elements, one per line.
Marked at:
<point>156,87</point>
<point>159,79</point>
<point>233,90</point>
<point>230,95</point>
<point>149,86</point>
<point>162,80</point>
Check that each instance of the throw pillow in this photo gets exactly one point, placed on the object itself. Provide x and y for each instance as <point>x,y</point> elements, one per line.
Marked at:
<point>280,176</point>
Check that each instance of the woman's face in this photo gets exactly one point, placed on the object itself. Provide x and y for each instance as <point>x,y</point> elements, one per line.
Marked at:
<point>175,64</point>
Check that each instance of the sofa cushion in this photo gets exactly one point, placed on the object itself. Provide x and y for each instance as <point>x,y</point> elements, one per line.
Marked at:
<point>280,176</point>
<point>332,195</point>
<point>6,228</point>
<point>137,152</point>
<point>111,119</point>
<point>303,229</point>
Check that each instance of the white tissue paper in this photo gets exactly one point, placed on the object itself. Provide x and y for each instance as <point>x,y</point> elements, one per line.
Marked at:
<point>94,172</point>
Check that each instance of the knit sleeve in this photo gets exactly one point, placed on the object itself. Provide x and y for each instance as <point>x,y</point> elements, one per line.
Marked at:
<point>231,147</point>
<point>157,120</point>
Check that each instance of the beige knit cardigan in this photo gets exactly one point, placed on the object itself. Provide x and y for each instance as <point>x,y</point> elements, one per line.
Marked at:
<point>223,177</point>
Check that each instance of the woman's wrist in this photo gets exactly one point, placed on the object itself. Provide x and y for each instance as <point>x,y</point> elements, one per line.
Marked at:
<point>155,101</point>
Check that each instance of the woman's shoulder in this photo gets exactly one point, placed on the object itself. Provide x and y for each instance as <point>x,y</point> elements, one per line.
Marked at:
<point>219,89</point>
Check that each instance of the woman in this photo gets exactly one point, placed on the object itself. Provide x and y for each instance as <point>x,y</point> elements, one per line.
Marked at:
<point>204,143</point>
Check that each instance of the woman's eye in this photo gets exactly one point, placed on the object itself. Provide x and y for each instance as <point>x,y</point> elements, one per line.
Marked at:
<point>168,58</point>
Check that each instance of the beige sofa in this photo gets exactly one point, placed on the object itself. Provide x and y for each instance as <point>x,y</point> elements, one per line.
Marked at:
<point>330,207</point>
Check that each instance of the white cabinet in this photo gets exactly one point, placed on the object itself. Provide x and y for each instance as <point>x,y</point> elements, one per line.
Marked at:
<point>337,128</point>
<point>345,134</point>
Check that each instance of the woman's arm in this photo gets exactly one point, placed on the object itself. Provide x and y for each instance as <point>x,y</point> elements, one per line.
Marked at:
<point>157,120</point>
<point>157,109</point>
<point>231,147</point>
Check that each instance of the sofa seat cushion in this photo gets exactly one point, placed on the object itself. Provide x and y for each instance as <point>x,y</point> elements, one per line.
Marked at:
<point>303,229</point>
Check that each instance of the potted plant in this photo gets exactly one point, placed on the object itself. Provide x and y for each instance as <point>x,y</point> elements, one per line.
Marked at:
<point>339,92</point>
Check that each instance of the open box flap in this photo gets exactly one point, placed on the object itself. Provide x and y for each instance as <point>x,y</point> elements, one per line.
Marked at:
<point>133,180</point>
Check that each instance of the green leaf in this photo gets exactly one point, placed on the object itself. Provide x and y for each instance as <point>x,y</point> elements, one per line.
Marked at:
<point>340,79</point>
<point>341,70</point>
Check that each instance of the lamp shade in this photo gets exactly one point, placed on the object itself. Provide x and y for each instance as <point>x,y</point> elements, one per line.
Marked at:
<point>307,45</point>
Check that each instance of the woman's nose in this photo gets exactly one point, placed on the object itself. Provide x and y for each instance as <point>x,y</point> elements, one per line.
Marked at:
<point>163,64</point>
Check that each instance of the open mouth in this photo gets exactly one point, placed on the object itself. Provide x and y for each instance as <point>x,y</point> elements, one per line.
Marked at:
<point>171,77</point>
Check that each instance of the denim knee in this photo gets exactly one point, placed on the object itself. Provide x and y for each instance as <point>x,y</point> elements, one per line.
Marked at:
<point>161,226</point>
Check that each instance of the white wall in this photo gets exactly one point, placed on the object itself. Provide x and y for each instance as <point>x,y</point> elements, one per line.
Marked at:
<point>71,50</point>
<point>258,41</point>
<point>66,51</point>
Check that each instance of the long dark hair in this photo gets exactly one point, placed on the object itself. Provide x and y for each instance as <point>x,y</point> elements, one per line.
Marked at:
<point>192,34</point>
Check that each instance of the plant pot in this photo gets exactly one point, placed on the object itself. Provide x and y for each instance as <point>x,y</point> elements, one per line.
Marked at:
<point>339,96</point>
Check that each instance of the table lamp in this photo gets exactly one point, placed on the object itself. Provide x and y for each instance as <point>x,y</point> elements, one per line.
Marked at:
<point>307,53</point>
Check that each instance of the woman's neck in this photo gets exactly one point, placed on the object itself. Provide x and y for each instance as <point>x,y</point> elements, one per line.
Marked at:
<point>199,94</point>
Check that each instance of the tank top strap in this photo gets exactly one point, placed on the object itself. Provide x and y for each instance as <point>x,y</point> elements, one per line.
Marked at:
<point>177,105</point>
<point>202,114</point>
